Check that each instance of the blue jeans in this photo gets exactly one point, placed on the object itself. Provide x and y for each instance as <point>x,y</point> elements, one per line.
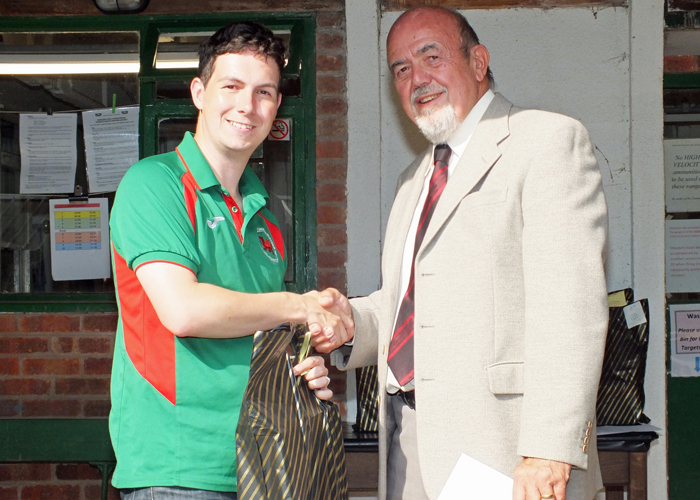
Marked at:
<point>175,493</point>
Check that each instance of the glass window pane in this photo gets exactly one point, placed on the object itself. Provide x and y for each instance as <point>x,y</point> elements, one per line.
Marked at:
<point>25,257</point>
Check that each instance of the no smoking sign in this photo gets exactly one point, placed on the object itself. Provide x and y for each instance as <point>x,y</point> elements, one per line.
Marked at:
<point>280,130</point>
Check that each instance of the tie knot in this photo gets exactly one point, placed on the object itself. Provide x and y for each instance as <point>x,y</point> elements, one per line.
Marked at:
<point>442,153</point>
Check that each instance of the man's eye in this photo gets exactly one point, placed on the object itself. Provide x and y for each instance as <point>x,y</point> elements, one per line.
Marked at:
<point>403,71</point>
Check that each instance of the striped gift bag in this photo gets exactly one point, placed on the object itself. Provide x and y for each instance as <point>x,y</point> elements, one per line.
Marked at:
<point>621,390</point>
<point>289,443</point>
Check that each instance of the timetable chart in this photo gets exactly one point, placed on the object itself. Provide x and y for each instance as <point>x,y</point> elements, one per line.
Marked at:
<point>78,227</point>
<point>79,239</point>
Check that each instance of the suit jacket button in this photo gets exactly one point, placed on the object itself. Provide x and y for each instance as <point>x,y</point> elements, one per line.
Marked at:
<point>585,448</point>
<point>383,349</point>
<point>590,424</point>
<point>585,441</point>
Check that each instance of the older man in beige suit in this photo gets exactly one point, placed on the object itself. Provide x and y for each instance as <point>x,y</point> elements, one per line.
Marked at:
<point>490,325</point>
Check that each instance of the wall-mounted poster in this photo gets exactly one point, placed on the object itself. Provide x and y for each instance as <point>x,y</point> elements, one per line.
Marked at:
<point>682,170</point>
<point>683,255</point>
<point>685,339</point>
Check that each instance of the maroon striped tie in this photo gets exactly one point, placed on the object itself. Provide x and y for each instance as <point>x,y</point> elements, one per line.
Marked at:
<point>401,347</point>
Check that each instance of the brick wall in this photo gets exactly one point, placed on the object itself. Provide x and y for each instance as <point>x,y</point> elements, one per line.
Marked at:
<point>54,365</point>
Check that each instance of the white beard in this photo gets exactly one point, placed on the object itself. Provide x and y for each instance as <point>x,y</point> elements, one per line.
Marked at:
<point>438,125</point>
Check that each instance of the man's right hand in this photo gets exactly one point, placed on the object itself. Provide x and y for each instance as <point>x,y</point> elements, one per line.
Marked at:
<point>336,303</point>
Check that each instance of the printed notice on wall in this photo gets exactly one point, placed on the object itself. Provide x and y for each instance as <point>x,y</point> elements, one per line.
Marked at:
<point>49,153</point>
<point>685,340</point>
<point>683,255</point>
<point>79,239</point>
<point>682,170</point>
<point>111,146</point>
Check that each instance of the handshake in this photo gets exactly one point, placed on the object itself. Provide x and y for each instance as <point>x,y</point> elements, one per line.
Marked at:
<point>329,318</point>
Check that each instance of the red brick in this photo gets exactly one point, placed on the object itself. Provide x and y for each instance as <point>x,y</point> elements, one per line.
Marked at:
<point>72,472</point>
<point>9,366</point>
<point>9,407</point>
<point>62,345</point>
<point>94,345</point>
<point>97,366</point>
<point>329,62</point>
<point>331,192</point>
<point>50,323</point>
<point>327,214</point>
<point>331,106</point>
<point>51,492</point>
<point>94,492</point>
<point>331,260</point>
<point>22,345</point>
<point>51,408</point>
<point>330,149</point>
<point>9,493</point>
<point>332,126</point>
<point>23,386</point>
<point>329,41</point>
<point>680,64</point>
<point>332,19</point>
<point>25,472</point>
<point>8,323</point>
<point>330,237</point>
<point>97,408</point>
<point>330,84</point>
<point>335,278</point>
<point>100,322</point>
<point>51,366</point>
<point>330,171</point>
<point>71,386</point>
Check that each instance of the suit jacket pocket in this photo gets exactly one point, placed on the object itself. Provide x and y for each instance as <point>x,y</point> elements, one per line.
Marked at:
<point>506,377</point>
<point>483,197</point>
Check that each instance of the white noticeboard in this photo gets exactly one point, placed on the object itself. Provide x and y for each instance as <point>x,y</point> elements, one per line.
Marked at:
<point>682,172</point>
<point>49,153</point>
<point>685,340</point>
<point>683,255</point>
<point>79,239</point>
<point>111,145</point>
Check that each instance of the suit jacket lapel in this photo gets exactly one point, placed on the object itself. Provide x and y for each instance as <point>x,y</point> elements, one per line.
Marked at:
<point>480,155</point>
<point>400,219</point>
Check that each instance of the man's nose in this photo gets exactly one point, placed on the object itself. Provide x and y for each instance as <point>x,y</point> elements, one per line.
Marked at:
<point>245,102</point>
<point>419,76</point>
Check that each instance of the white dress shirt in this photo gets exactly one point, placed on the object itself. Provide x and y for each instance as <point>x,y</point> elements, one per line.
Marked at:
<point>458,143</point>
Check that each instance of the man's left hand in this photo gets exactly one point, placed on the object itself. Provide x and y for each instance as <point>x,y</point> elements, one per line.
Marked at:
<point>316,376</point>
<point>536,478</point>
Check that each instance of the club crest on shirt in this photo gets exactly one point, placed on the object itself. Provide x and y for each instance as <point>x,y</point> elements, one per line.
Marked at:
<point>267,244</point>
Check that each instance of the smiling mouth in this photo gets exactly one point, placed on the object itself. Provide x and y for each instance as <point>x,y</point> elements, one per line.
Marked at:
<point>241,126</point>
<point>429,98</point>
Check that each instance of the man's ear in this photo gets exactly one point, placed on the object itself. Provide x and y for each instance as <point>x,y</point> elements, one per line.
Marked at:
<point>197,91</point>
<point>479,58</point>
<point>279,99</point>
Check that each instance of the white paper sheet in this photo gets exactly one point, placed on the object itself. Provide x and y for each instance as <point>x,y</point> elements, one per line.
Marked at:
<point>49,153</point>
<point>472,479</point>
<point>79,239</point>
<point>111,146</point>
<point>685,340</point>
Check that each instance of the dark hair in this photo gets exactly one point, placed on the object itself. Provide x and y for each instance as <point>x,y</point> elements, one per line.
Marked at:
<point>236,38</point>
<point>469,39</point>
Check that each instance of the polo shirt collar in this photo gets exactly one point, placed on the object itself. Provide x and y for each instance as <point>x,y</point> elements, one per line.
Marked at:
<point>204,175</point>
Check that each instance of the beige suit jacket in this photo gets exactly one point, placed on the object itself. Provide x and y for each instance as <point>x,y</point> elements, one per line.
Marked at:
<point>510,302</point>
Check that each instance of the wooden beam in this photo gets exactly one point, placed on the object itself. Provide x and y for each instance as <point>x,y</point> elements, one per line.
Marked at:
<point>17,8</point>
<point>398,5</point>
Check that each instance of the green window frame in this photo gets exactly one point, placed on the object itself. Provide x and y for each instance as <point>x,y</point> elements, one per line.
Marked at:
<point>301,108</point>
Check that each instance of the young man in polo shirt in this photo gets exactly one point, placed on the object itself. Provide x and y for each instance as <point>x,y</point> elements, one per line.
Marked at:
<point>199,265</point>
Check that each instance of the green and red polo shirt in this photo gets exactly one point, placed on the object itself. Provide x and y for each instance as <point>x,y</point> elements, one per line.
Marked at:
<point>176,401</point>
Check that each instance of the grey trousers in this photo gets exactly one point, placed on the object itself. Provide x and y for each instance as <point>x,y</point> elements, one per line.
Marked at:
<point>404,481</point>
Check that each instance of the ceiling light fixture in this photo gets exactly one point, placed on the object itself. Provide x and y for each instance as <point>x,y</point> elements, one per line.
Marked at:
<point>121,6</point>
